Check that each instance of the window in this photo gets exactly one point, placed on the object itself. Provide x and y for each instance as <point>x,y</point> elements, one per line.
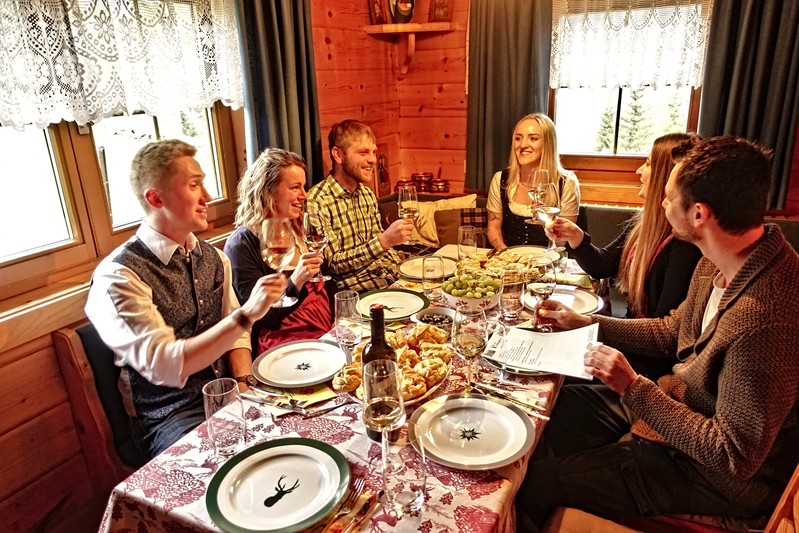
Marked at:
<point>117,139</point>
<point>618,121</point>
<point>67,200</point>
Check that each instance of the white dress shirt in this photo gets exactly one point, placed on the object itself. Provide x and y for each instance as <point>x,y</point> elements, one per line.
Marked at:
<point>121,307</point>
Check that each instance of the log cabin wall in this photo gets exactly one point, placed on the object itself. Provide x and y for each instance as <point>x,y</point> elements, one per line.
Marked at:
<point>420,120</point>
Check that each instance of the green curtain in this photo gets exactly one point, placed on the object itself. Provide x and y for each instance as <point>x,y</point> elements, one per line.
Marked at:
<point>751,81</point>
<point>281,107</point>
<point>509,48</point>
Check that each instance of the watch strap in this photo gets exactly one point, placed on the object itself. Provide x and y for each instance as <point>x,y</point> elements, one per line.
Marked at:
<point>241,319</point>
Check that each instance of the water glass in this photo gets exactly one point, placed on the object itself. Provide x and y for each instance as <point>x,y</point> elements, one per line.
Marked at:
<point>512,289</point>
<point>224,414</point>
<point>433,278</point>
<point>467,242</point>
<point>404,468</point>
<point>493,372</point>
<point>349,323</point>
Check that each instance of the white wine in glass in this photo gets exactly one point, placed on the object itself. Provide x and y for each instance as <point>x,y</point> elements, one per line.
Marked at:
<point>315,239</point>
<point>548,209</point>
<point>542,286</point>
<point>469,338</point>
<point>382,396</point>
<point>277,250</point>
<point>408,205</point>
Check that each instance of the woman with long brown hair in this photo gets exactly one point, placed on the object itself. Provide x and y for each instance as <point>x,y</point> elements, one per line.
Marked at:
<point>651,267</point>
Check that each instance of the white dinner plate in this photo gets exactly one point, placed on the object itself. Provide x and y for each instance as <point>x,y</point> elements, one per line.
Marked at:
<point>412,268</point>
<point>536,251</point>
<point>244,495</point>
<point>299,363</point>
<point>397,303</point>
<point>473,431</point>
<point>580,300</point>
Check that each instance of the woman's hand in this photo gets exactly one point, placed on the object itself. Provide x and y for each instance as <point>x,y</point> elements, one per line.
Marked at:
<point>563,229</point>
<point>563,317</point>
<point>610,366</point>
<point>307,267</point>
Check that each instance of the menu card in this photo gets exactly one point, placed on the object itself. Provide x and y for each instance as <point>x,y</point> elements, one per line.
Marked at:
<point>560,352</point>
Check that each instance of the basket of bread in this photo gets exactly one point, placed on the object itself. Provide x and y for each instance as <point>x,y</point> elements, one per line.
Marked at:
<point>423,357</point>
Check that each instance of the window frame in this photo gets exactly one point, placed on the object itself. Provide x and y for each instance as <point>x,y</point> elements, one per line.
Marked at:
<point>610,178</point>
<point>86,202</point>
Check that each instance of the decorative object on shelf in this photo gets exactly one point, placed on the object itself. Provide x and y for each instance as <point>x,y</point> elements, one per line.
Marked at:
<point>402,10</point>
<point>440,11</point>
<point>439,185</point>
<point>422,180</point>
<point>383,181</point>
<point>378,12</point>
<point>401,182</point>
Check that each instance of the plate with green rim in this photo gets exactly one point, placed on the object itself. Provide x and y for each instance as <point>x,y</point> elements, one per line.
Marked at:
<point>280,486</point>
<point>397,303</point>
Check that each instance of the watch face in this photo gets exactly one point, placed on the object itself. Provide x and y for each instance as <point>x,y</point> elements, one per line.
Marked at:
<point>250,380</point>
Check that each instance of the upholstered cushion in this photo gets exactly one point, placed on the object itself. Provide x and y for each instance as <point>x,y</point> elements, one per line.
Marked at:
<point>448,222</point>
<point>426,227</point>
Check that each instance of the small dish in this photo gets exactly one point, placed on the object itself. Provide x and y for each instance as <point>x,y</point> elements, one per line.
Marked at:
<point>440,313</point>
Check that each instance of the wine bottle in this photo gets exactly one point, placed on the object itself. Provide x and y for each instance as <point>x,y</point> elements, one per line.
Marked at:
<point>378,348</point>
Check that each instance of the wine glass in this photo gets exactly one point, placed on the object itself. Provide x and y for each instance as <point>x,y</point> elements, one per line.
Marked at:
<point>349,324</point>
<point>315,239</point>
<point>224,412</point>
<point>533,183</point>
<point>382,397</point>
<point>548,209</point>
<point>469,338</point>
<point>541,286</point>
<point>277,250</point>
<point>493,372</point>
<point>467,242</point>
<point>408,205</point>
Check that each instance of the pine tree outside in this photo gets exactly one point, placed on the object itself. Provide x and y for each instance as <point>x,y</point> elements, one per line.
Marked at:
<point>587,122</point>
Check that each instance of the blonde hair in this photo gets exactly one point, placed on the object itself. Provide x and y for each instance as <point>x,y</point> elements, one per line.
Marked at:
<point>649,227</point>
<point>550,159</point>
<point>152,165</point>
<point>257,188</point>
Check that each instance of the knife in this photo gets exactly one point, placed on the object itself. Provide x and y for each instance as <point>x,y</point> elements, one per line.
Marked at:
<point>265,401</point>
<point>508,396</point>
<point>526,407</point>
<point>364,512</point>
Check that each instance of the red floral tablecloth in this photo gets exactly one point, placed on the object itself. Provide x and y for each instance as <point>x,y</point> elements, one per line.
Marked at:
<point>168,493</point>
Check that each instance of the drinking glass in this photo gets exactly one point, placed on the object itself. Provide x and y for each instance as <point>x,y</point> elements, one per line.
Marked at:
<point>433,278</point>
<point>541,286</point>
<point>494,372</point>
<point>277,250</point>
<point>548,209</point>
<point>404,468</point>
<point>408,205</point>
<point>469,337</point>
<point>349,323</point>
<point>510,302</point>
<point>534,182</point>
<point>382,397</point>
<point>467,242</point>
<point>224,413</point>
<point>315,239</point>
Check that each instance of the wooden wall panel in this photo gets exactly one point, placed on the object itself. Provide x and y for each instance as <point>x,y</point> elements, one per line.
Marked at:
<point>441,100</point>
<point>56,496</point>
<point>35,448</point>
<point>31,385</point>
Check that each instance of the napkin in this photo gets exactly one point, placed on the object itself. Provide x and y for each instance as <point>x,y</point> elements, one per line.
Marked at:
<point>576,280</point>
<point>305,396</point>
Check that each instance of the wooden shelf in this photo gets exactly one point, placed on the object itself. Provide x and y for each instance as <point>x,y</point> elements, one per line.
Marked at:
<point>409,31</point>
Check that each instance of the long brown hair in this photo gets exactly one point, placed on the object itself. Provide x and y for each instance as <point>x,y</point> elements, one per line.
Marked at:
<point>649,227</point>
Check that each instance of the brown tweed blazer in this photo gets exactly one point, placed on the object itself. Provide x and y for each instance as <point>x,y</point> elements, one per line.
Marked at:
<point>731,403</point>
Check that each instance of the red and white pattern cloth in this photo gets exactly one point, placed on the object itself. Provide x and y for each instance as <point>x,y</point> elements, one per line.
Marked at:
<point>168,493</point>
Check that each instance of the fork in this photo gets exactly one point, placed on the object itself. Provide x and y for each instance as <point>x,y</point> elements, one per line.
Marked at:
<point>349,503</point>
<point>322,410</point>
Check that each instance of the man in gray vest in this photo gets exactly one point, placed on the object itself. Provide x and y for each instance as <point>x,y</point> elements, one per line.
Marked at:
<point>163,301</point>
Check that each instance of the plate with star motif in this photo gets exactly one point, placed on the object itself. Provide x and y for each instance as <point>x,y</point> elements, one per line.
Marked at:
<point>299,363</point>
<point>473,431</point>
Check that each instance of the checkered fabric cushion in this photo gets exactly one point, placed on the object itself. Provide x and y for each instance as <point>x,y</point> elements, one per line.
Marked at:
<point>477,217</point>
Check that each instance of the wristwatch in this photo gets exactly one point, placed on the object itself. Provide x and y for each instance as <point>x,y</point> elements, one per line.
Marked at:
<point>249,379</point>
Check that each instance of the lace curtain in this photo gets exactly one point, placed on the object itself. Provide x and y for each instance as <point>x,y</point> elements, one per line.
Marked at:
<point>82,60</point>
<point>630,43</point>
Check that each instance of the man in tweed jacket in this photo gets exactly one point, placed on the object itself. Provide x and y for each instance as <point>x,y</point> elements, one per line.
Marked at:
<point>719,435</point>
